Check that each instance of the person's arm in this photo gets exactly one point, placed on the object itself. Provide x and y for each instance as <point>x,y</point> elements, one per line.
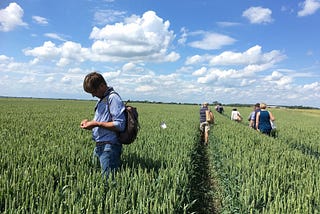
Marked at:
<point>257,120</point>
<point>86,124</point>
<point>251,123</point>
<point>271,116</point>
<point>116,111</point>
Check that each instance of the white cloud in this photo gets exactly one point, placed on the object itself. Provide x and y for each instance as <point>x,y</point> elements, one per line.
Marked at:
<point>315,86</point>
<point>253,55</point>
<point>183,37</point>
<point>258,15</point>
<point>194,60</point>
<point>309,7</point>
<point>274,76</point>
<point>200,71</point>
<point>55,36</point>
<point>128,66</point>
<point>278,80</point>
<point>146,38</point>
<point>48,51</point>
<point>4,58</point>
<point>27,79</point>
<point>111,74</point>
<point>145,88</point>
<point>11,17</point>
<point>212,41</point>
<point>139,39</point>
<point>63,55</point>
<point>40,20</point>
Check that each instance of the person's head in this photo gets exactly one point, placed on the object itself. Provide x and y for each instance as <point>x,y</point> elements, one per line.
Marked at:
<point>257,106</point>
<point>234,109</point>
<point>263,105</point>
<point>95,84</point>
<point>205,104</point>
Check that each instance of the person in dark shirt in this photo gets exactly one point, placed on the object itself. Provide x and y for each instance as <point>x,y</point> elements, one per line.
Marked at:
<point>263,119</point>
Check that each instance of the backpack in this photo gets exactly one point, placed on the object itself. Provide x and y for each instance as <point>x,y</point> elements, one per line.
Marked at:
<point>132,125</point>
<point>131,130</point>
<point>209,116</point>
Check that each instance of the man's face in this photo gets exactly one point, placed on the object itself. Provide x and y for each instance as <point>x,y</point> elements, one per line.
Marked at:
<point>99,92</point>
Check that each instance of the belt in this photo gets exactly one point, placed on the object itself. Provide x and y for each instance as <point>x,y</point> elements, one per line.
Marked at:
<point>103,143</point>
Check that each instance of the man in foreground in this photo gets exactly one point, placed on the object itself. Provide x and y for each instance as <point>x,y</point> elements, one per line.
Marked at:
<point>109,119</point>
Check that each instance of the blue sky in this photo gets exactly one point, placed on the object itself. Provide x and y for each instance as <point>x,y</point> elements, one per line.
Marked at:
<point>170,51</point>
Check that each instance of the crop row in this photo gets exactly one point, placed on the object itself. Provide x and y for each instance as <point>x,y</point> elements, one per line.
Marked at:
<point>260,174</point>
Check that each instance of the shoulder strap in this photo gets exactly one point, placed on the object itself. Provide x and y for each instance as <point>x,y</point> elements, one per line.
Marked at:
<point>107,97</point>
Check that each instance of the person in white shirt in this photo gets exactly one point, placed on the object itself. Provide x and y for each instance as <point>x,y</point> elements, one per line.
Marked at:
<point>235,115</point>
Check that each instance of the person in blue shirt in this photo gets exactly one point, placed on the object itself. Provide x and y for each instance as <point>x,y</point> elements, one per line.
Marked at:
<point>109,119</point>
<point>253,115</point>
<point>263,120</point>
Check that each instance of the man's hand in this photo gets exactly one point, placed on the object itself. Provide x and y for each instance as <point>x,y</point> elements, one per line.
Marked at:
<point>86,124</point>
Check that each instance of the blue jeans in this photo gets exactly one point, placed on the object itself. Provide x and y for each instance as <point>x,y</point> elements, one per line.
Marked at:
<point>109,156</point>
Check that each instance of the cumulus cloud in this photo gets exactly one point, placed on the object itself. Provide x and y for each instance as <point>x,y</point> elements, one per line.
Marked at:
<point>128,66</point>
<point>253,55</point>
<point>48,50</point>
<point>137,39</point>
<point>4,58</point>
<point>200,71</point>
<point>62,55</point>
<point>315,86</point>
<point>147,37</point>
<point>215,74</point>
<point>11,17</point>
<point>278,80</point>
<point>194,59</point>
<point>212,41</point>
<point>40,20</point>
<point>309,7</point>
<point>234,70</point>
<point>258,15</point>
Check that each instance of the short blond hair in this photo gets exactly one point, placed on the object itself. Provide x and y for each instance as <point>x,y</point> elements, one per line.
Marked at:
<point>263,105</point>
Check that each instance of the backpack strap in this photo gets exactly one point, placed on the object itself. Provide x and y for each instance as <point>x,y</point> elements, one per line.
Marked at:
<point>107,97</point>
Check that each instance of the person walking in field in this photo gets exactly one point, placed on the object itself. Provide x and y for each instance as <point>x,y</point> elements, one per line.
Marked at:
<point>109,119</point>
<point>206,118</point>
<point>264,119</point>
<point>235,115</point>
<point>253,115</point>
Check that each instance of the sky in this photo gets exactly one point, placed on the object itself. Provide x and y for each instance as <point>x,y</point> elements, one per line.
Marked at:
<point>183,51</point>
